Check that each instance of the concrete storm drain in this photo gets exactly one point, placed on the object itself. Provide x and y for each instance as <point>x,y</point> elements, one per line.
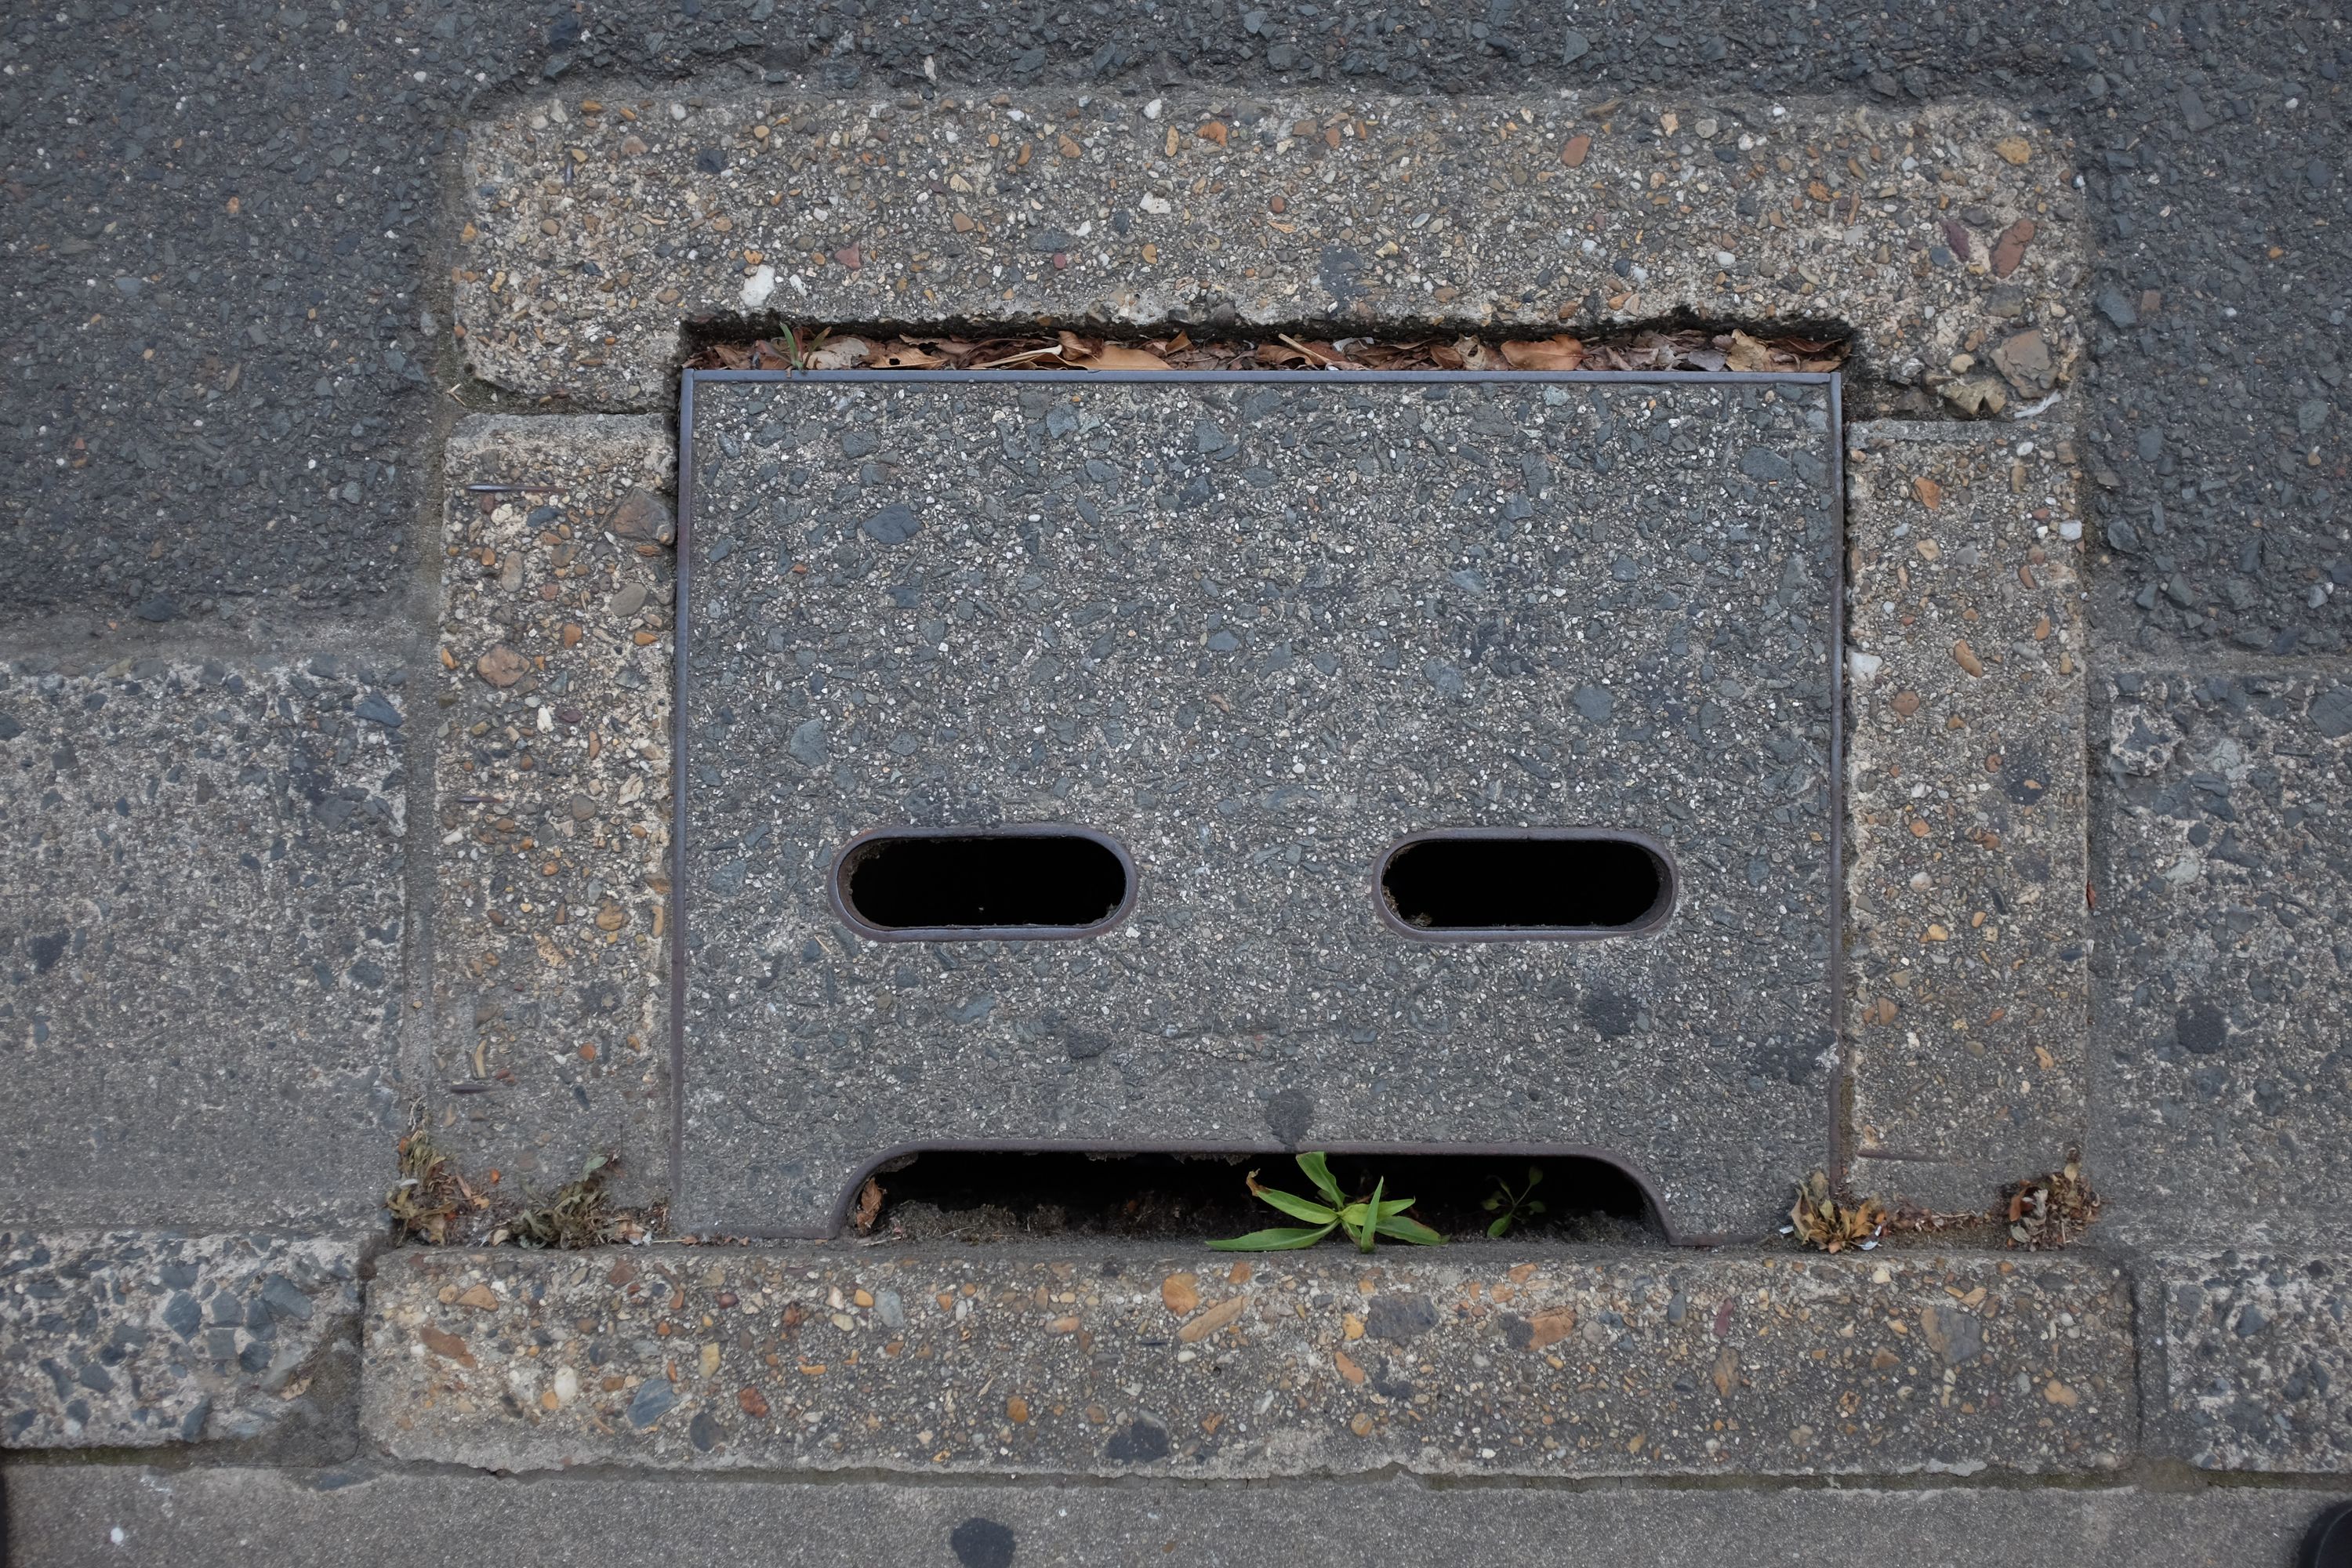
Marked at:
<point>1433,763</point>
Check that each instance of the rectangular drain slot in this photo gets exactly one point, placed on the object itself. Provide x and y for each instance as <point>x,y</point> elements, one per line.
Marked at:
<point>907,884</point>
<point>1495,884</point>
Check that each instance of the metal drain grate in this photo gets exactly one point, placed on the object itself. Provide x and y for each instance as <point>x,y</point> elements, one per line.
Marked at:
<point>1289,651</point>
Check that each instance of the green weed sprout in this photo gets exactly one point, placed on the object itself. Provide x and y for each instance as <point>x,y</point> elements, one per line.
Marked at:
<point>1374,1216</point>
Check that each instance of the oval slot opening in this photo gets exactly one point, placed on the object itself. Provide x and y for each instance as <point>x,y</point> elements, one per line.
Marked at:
<point>1497,884</point>
<point>919,884</point>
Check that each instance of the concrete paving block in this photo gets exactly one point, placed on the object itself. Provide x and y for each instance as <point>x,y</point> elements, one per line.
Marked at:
<point>202,924</point>
<point>1257,633</point>
<point>591,234</point>
<point>2221,1067</point>
<point>2256,1358</point>
<point>552,824</point>
<point>1968,935</point>
<point>110,1338</point>
<point>127,1517</point>
<point>1475,1361</point>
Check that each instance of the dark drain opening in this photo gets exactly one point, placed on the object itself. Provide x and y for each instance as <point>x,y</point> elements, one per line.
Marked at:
<point>918,884</point>
<point>1501,883</point>
<point>986,1195</point>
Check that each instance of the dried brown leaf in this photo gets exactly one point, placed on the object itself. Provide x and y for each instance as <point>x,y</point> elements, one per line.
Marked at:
<point>1119,356</point>
<point>840,353</point>
<point>2050,1210</point>
<point>1824,1219</point>
<point>906,355</point>
<point>1025,357</point>
<point>1321,355</point>
<point>1746,354</point>
<point>1561,353</point>
<point>869,1206</point>
<point>1476,355</point>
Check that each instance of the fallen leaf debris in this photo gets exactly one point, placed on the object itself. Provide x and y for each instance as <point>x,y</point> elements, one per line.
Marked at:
<point>2037,1213</point>
<point>576,1215</point>
<point>1656,349</point>
<point>1831,1221</point>
<point>433,1204</point>
<point>426,1197</point>
<point>2047,1211</point>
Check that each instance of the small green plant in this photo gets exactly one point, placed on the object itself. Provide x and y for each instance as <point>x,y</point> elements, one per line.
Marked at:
<point>1373,1216</point>
<point>1511,1208</point>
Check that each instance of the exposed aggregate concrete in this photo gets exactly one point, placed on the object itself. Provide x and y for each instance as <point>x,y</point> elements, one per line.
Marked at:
<point>1948,238</point>
<point>1478,1362</point>
<point>551,761</point>
<point>2257,1360</point>
<point>117,1338</point>
<point>1968,935</point>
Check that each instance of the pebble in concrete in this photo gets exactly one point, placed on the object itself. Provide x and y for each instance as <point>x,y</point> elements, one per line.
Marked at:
<point>1948,236</point>
<point>1126,1361</point>
<point>203,933</point>
<point>121,1338</point>
<point>1968,930</point>
<point>551,762</point>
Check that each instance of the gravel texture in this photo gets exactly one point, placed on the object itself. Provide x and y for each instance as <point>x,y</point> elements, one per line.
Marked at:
<point>123,1515</point>
<point>552,770</point>
<point>593,225</point>
<point>2256,1360</point>
<point>1473,1361</point>
<point>2221,1071</point>
<point>230,231</point>
<point>2206,138</point>
<point>116,1338</point>
<point>203,928</point>
<point>1257,632</point>
<point>1968,932</point>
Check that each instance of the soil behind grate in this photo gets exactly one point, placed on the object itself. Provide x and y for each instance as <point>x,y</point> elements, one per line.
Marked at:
<point>997,1196</point>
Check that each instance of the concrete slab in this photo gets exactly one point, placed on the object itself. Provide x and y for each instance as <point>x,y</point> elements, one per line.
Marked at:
<point>131,1338</point>
<point>592,233</point>
<point>125,1516</point>
<point>1256,632</point>
<point>551,765</point>
<point>2256,1358</point>
<point>1473,1361</point>
<point>1969,938</point>
<point>2221,1072</point>
<point>202,924</point>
